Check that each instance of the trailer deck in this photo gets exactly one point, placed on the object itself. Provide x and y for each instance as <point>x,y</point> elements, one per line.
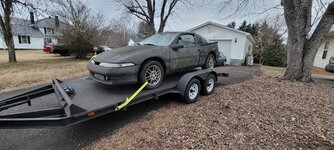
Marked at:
<point>96,95</point>
<point>82,99</point>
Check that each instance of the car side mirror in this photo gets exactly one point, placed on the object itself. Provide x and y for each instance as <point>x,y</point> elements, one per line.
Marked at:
<point>177,46</point>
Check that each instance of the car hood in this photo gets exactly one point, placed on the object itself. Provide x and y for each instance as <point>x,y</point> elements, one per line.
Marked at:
<point>124,54</point>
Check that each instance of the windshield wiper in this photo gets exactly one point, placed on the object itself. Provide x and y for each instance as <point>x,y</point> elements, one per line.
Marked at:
<point>149,44</point>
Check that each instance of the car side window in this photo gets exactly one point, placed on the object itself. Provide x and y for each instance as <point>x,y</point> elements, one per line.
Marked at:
<point>200,40</point>
<point>188,40</point>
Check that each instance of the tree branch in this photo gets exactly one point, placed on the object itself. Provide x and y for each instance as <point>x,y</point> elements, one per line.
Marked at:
<point>324,25</point>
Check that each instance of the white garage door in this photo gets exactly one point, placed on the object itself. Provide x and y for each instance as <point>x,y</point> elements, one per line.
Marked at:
<point>225,47</point>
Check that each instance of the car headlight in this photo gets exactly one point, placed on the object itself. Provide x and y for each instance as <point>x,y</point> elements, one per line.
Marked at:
<point>117,65</point>
<point>92,61</point>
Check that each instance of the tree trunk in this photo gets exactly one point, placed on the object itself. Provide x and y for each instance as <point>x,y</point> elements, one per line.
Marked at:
<point>295,48</point>
<point>315,41</point>
<point>151,28</point>
<point>162,26</point>
<point>6,27</point>
<point>297,16</point>
<point>151,15</point>
<point>10,41</point>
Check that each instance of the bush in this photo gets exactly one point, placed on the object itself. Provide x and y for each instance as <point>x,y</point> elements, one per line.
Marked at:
<point>84,29</point>
<point>274,55</point>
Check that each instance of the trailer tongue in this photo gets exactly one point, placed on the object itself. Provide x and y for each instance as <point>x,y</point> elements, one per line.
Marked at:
<point>83,99</point>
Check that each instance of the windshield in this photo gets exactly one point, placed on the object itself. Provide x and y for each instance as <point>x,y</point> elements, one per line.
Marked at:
<point>159,39</point>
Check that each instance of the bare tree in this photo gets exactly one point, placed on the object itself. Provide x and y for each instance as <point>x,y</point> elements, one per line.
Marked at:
<point>147,10</point>
<point>270,30</point>
<point>7,8</point>
<point>84,29</point>
<point>6,28</point>
<point>143,30</point>
<point>122,29</point>
<point>302,44</point>
<point>302,48</point>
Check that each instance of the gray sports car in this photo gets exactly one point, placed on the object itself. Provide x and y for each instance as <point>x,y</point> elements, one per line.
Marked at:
<point>158,55</point>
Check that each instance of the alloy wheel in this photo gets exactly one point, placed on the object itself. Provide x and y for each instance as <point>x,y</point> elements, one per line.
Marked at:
<point>153,75</point>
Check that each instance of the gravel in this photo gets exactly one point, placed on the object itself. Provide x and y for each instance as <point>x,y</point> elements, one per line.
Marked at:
<point>263,113</point>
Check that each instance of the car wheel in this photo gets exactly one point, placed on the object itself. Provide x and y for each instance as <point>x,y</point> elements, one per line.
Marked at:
<point>192,91</point>
<point>153,73</point>
<point>210,62</point>
<point>209,85</point>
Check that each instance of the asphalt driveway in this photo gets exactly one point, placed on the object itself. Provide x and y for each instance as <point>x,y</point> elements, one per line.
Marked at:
<point>80,135</point>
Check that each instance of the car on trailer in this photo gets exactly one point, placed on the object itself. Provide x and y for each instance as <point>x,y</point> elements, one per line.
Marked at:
<point>157,56</point>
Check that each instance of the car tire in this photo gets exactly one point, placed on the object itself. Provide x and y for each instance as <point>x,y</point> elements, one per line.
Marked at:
<point>210,62</point>
<point>192,91</point>
<point>209,85</point>
<point>153,73</point>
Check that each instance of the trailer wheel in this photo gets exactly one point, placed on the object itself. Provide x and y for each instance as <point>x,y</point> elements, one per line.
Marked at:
<point>192,91</point>
<point>209,85</point>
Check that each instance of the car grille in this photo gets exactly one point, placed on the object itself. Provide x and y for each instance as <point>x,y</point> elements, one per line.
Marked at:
<point>101,77</point>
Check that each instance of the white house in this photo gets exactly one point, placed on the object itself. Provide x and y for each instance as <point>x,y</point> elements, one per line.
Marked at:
<point>326,51</point>
<point>31,34</point>
<point>235,44</point>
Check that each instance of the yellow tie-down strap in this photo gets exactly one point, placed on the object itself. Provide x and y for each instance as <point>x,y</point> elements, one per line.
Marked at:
<point>132,97</point>
<point>93,57</point>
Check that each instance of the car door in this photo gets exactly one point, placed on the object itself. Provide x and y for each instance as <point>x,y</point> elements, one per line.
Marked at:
<point>189,55</point>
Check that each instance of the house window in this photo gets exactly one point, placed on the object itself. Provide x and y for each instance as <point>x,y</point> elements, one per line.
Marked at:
<point>324,54</point>
<point>47,40</point>
<point>49,31</point>
<point>24,39</point>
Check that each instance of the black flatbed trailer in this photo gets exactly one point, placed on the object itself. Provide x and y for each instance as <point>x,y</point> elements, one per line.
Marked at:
<point>82,99</point>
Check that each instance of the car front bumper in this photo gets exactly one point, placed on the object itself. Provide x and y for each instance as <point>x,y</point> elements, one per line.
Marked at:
<point>221,61</point>
<point>330,68</point>
<point>113,76</point>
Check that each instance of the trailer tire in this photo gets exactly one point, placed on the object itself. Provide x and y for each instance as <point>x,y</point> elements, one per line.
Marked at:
<point>192,91</point>
<point>209,85</point>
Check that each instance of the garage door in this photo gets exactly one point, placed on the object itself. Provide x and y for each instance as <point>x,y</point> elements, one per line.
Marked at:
<point>225,47</point>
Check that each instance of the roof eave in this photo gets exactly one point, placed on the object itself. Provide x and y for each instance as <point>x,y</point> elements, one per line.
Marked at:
<point>218,25</point>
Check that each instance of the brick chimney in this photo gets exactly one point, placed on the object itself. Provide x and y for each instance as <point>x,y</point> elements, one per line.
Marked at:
<point>56,21</point>
<point>32,18</point>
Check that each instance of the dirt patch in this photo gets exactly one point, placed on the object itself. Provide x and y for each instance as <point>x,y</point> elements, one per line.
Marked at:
<point>263,113</point>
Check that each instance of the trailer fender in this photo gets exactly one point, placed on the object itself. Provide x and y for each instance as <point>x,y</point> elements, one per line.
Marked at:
<point>202,75</point>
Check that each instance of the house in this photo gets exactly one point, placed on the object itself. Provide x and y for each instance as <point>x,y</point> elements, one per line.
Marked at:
<point>236,45</point>
<point>326,51</point>
<point>134,41</point>
<point>31,34</point>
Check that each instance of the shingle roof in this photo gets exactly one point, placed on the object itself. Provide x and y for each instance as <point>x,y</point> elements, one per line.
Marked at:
<point>20,21</point>
<point>26,30</point>
<point>49,23</point>
<point>23,26</point>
